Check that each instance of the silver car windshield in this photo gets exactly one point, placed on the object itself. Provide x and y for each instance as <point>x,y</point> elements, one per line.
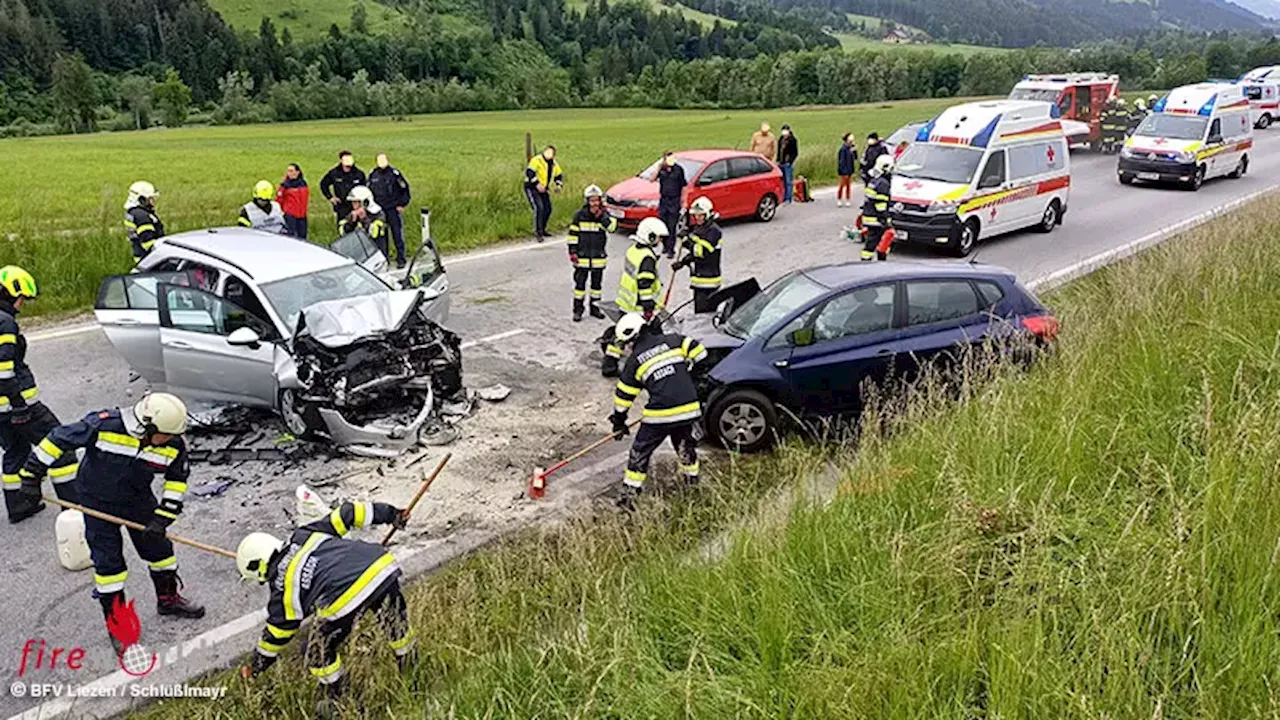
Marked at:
<point>774,303</point>
<point>291,295</point>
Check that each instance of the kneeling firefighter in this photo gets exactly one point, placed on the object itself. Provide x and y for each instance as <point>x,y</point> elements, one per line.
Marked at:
<point>123,450</point>
<point>318,571</point>
<point>876,234</point>
<point>639,289</point>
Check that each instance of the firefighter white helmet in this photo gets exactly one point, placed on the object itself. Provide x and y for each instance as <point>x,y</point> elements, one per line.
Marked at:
<point>1140,104</point>
<point>628,328</point>
<point>592,191</point>
<point>161,413</point>
<point>651,231</point>
<point>363,196</point>
<point>884,164</point>
<point>701,206</point>
<point>138,192</point>
<point>254,554</point>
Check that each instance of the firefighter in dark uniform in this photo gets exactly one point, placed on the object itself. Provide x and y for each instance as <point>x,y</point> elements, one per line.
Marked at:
<point>124,450</point>
<point>659,364</point>
<point>875,209</point>
<point>639,288</point>
<point>874,150</point>
<point>1113,121</point>
<point>588,249</point>
<point>320,572</point>
<point>366,214</point>
<point>702,249</point>
<point>141,223</point>
<point>1136,116</point>
<point>539,175</point>
<point>24,420</point>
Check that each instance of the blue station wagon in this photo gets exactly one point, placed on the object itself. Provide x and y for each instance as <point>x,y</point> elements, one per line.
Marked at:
<point>809,341</point>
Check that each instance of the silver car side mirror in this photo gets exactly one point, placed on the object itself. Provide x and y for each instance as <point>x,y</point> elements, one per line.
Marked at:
<point>244,337</point>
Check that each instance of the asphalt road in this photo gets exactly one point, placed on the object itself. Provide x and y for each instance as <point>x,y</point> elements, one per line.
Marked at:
<point>514,304</point>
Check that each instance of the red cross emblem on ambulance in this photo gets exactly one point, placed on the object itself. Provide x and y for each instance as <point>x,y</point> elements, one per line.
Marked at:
<point>914,185</point>
<point>1051,154</point>
<point>1160,141</point>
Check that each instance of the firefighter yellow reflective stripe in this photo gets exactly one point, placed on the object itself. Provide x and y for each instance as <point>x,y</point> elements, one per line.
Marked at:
<point>376,228</point>
<point>589,227</point>
<point>118,443</point>
<point>368,583</point>
<point>146,227</point>
<point>634,478</point>
<point>30,393</point>
<point>174,490</point>
<point>403,645</point>
<point>625,396</point>
<point>67,473</point>
<point>146,244</point>
<point>689,469</point>
<point>293,577</point>
<point>704,282</point>
<point>579,293</point>
<point>693,349</point>
<point>245,221</point>
<point>130,225</point>
<point>48,453</point>
<point>658,361</point>
<point>335,519</point>
<point>688,411</point>
<point>600,263</point>
<point>165,513</point>
<point>158,455</point>
<point>169,563</point>
<point>364,514</point>
<point>110,583</point>
<point>268,649</point>
<point>628,389</point>
<point>329,674</point>
<point>584,262</point>
<point>6,370</point>
<point>11,481</point>
<point>702,248</point>
<point>280,633</point>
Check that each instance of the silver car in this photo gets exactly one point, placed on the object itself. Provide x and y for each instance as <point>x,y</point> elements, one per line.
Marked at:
<point>221,315</point>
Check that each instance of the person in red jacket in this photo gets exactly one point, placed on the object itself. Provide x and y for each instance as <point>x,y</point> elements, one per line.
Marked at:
<point>293,196</point>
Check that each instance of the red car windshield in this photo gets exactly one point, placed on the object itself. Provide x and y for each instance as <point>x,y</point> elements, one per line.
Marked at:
<point>691,169</point>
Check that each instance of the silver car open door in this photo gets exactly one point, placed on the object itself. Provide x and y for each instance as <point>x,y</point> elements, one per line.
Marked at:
<point>127,308</point>
<point>205,352</point>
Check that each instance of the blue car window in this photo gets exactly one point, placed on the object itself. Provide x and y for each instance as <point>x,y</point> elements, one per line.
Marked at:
<point>930,301</point>
<point>990,292</point>
<point>860,311</point>
<point>782,338</point>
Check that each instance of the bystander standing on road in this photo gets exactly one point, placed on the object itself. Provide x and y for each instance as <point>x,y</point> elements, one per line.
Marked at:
<point>294,196</point>
<point>846,165</point>
<point>671,184</point>
<point>788,151</point>
<point>764,142</point>
<point>391,191</point>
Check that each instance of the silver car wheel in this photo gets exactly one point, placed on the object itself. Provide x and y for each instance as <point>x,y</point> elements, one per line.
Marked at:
<point>742,424</point>
<point>293,420</point>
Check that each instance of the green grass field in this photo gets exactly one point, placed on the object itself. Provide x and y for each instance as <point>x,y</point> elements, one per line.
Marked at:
<point>467,168</point>
<point>858,42</point>
<point>304,18</point>
<point>1094,538</point>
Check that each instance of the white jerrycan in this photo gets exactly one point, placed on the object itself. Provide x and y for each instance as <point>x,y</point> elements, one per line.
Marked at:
<point>311,505</point>
<point>73,549</point>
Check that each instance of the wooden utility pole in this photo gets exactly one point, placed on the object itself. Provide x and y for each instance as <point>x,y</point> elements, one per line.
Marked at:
<point>528,146</point>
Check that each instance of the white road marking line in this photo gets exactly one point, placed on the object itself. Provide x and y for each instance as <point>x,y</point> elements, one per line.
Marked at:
<point>1107,257</point>
<point>65,332</point>
<point>493,338</point>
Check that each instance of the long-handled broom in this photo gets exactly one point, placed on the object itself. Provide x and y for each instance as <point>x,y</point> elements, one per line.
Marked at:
<point>538,483</point>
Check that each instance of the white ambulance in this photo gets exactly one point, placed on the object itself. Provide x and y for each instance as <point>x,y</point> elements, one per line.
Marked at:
<point>981,169</point>
<point>1195,133</point>
<point>1264,101</point>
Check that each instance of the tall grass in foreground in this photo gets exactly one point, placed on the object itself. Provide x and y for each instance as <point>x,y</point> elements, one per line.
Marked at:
<point>1096,538</point>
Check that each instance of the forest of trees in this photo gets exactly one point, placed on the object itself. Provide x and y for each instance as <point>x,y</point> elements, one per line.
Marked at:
<point>81,65</point>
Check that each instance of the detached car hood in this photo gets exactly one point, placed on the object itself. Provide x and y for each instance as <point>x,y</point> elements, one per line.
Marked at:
<point>636,188</point>
<point>339,323</point>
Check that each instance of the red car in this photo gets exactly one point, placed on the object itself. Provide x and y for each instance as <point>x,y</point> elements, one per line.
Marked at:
<point>738,183</point>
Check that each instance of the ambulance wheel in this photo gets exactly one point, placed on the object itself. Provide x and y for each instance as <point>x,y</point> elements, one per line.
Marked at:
<point>767,208</point>
<point>968,238</point>
<point>1052,217</point>
<point>1196,180</point>
<point>1264,122</point>
<point>1242,167</point>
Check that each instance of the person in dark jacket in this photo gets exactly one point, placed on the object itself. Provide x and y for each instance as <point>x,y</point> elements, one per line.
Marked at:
<point>873,151</point>
<point>875,208</point>
<point>367,215</point>
<point>321,572</point>
<point>294,196</point>
<point>788,151</point>
<point>391,191</point>
<point>542,172</point>
<point>846,165</point>
<point>671,184</point>
<point>337,184</point>
<point>24,420</point>
<point>588,250</point>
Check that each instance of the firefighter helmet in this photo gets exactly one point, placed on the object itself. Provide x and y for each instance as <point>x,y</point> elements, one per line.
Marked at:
<point>264,190</point>
<point>701,206</point>
<point>17,282</point>
<point>884,164</point>
<point>253,554</point>
<point>161,413</point>
<point>140,193</point>
<point>628,328</point>
<point>651,231</point>
<point>592,191</point>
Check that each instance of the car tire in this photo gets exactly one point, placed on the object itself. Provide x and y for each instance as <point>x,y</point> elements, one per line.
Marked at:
<point>1126,179</point>
<point>743,420</point>
<point>1197,180</point>
<point>969,233</point>
<point>1051,218</point>
<point>767,208</point>
<point>301,419</point>
<point>1242,167</point>
<point>1264,122</point>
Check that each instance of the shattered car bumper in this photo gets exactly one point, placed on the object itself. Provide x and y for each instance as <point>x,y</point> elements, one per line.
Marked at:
<point>377,439</point>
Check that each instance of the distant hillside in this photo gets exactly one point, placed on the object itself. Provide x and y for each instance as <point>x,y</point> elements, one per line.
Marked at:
<point>1266,8</point>
<point>1022,23</point>
<point>303,18</point>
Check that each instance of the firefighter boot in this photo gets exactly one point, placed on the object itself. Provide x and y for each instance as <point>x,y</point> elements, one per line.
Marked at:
<point>628,498</point>
<point>577,309</point>
<point>327,704</point>
<point>596,312</point>
<point>108,602</point>
<point>171,602</point>
<point>20,506</point>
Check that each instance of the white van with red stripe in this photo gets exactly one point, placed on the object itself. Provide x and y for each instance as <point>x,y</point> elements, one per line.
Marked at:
<point>982,169</point>
<point>1264,101</point>
<point>1194,133</point>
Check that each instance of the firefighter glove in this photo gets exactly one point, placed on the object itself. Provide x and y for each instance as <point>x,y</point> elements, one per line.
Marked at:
<point>573,259</point>
<point>682,262</point>
<point>30,487</point>
<point>157,527</point>
<point>620,429</point>
<point>401,519</point>
<point>20,415</point>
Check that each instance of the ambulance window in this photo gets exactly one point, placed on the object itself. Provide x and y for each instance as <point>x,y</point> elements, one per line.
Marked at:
<point>1037,159</point>
<point>1215,130</point>
<point>1254,92</point>
<point>1064,102</point>
<point>993,173</point>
